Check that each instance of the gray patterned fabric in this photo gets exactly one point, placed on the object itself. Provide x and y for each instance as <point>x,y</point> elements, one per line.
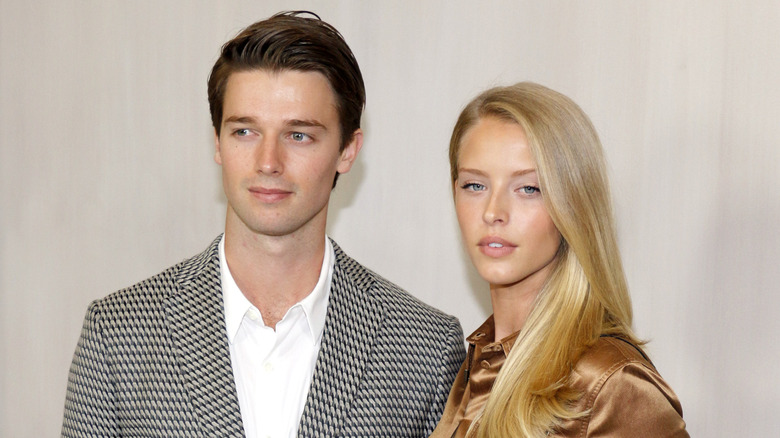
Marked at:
<point>153,360</point>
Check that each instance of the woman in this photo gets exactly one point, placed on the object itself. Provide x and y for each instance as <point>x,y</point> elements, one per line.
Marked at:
<point>558,356</point>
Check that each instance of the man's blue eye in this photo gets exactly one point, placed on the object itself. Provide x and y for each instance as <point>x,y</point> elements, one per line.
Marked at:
<point>299,136</point>
<point>242,132</point>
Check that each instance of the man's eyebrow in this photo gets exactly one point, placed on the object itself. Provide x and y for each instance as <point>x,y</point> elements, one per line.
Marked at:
<point>239,119</point>
<point>305,124</point>
<point>293,123</point>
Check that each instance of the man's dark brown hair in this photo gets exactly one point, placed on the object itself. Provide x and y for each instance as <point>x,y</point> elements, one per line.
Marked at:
<point>288,41</point>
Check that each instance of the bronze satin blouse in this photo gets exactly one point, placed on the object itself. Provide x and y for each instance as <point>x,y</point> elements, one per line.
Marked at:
<point>626,395</point>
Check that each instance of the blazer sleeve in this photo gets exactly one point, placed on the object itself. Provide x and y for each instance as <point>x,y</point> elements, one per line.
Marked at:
<point>452,355</point>
<point>89,401</point>
<point>636,401</point>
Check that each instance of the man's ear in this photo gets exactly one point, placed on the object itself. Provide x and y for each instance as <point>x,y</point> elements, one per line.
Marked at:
<point>350,152</point>
<point>217,150</point>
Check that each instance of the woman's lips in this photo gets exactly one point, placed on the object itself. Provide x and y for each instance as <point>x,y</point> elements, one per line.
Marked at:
<point>493,246</point>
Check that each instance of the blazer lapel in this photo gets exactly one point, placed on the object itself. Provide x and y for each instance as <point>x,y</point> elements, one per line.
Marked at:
<point>196,321</point>
<point>351,323</point>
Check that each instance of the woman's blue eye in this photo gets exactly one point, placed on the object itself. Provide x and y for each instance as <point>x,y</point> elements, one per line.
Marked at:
<point>529,190</point>
<point>475,187</point>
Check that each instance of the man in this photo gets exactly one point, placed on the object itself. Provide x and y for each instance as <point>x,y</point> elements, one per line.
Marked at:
<point>273,330</point>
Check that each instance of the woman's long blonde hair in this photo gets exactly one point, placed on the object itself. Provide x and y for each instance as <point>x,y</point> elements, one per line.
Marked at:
<point>586,295</point>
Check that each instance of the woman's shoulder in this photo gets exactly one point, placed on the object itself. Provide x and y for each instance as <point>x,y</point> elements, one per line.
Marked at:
<point>606,356</point>
<point>614,363</point>
<point>622,391</point>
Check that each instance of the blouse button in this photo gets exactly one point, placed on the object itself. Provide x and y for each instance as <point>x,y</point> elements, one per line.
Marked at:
<point>491,349</point>
<point>485,364</point>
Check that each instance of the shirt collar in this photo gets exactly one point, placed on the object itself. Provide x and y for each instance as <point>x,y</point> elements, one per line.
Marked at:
<point>314,305</point>
<point>484,338</point>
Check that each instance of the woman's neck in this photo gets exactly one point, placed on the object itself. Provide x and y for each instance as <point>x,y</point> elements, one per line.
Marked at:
<point>511,308</point>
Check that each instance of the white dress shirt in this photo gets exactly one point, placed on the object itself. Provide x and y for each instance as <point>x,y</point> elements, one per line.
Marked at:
<point>273,369</point>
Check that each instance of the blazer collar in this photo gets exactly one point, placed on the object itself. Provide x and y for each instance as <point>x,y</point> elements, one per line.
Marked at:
<point>197,325</point>
<point>351,324</point>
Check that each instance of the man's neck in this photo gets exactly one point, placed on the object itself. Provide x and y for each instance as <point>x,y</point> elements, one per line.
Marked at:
<point>274,273</point>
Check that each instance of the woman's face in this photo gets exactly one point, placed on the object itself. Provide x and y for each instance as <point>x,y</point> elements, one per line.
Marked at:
<point>508,233</point>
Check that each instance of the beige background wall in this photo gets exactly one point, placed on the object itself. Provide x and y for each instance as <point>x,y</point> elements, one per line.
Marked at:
<point>107,175</point>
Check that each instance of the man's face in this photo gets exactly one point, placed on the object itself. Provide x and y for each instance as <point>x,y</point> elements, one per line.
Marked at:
<point>279,151</point>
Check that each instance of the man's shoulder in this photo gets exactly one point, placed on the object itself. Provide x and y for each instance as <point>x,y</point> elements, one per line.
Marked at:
<point>395,300</point>
<point>156,288</point>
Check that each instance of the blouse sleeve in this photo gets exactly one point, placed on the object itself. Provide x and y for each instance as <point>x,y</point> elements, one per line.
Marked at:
<point>636,401</point>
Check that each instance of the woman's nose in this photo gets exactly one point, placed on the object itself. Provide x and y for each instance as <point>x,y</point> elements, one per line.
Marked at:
<point>496,209</point>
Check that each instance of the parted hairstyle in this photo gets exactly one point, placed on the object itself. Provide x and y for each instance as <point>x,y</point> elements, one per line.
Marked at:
<point>288,41</point>
<point>586,295</point>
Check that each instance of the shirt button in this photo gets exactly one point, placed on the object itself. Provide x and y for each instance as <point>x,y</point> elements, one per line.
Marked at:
<point>268,367</point>
<point>490,349</point>
<point>485,364</point>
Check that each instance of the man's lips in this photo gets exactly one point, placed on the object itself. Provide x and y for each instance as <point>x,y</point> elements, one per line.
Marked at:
<point>493,246</point>
<point>266,194</point>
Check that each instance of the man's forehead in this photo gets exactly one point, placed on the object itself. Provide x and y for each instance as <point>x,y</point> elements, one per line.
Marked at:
<point>292,94</point>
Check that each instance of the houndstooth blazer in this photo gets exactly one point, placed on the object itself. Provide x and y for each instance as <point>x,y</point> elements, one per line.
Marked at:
<point>153,360</point>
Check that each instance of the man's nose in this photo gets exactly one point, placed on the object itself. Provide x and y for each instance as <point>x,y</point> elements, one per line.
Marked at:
<point>270,157</point>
